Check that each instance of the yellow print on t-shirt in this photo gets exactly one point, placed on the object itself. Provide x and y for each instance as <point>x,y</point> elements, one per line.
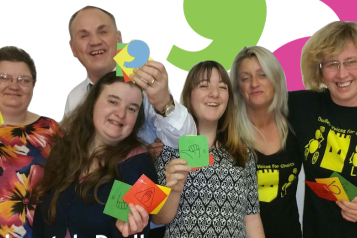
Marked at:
<point>337,141</point>
<point>268,184</point>
<point>336,151</point>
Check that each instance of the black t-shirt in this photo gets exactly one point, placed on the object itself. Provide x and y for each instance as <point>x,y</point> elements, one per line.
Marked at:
<point>327,137</point>
<point>277,183</point>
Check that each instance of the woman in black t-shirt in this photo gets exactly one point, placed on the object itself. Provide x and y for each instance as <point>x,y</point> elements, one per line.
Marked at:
<point>324,119</point>
<point>259,82</point>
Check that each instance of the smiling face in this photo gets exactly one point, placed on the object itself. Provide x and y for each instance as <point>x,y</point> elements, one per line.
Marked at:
<point>94,41</point>
<point>13,96</point>
<point>342,82</point>
<point>255,87</point>
<point>209,98</point>
<point>115,112</point>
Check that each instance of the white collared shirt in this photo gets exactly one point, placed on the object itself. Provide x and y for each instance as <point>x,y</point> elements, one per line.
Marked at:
<point>168,129</point>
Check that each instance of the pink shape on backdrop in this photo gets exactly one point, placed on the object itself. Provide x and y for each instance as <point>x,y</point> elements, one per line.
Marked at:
<point>289,57</point>
<point>344,9</point>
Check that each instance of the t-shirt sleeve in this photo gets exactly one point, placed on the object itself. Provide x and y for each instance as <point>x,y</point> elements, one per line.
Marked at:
<point>252,187</point>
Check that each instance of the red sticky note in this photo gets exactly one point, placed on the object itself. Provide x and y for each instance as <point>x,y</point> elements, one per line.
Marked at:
<point>145,193</point>
<point>321,190</point>
<point>211,161</point>
<point>126,78</point>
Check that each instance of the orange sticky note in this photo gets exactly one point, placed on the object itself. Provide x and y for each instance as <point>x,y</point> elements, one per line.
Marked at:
<point>145,193</point>
<point>334,184</point>
<point>167,191</point>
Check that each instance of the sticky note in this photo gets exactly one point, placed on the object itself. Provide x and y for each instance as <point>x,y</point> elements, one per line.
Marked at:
<point>194,149</point>
<point>167,191</point>
<point>119,71</point>
<point>122,57</point>
<point>350,189</point>
<point>321,190</point>
<point>335,186</point>
<point>116,206</point>
<point>1,119</point>
<point>211,161</point>
<point>145,193</point>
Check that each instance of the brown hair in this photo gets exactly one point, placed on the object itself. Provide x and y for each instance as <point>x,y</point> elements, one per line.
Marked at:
<point>89,7</point>
<point>70,157</point>
<point>227,132</point>
<point>14,54</point>
<point>330,40</point>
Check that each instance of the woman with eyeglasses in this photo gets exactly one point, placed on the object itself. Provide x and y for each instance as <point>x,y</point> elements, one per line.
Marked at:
<point>325,121</point>
<point>26,140</point>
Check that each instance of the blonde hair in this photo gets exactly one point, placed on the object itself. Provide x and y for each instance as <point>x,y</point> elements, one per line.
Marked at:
<point>227,131</point>
<point>329,41</point>
<point>279,105</point>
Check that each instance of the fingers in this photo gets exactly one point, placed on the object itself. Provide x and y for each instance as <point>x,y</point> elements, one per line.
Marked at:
<point>138,218</point>
<point>177,165</point>
<point>348,217</point>
<point>157,65</point>
<point>122,227</point>
<point>348,210</point>
<point>139,81</point>
<point>155,148</point>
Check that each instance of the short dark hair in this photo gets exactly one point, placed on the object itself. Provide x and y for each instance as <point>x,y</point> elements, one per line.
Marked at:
<point>90,7</point>
<point>14,54</point>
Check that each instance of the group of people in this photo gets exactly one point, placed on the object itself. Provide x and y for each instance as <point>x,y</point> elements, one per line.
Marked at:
<point>55,179</point>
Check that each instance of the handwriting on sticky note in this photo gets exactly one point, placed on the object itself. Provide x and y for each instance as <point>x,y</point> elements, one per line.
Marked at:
<point>194,149</point>
<point>335,186</point>
<point>321,190</point>
<point>116,206</point>
<point>349,188</point>
<point>145,193</point>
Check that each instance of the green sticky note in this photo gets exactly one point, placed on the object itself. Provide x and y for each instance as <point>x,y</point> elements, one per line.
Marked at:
<point>350,189</point>
<point>118,69</point>
<point>116,206</point>
<point>194,149</point>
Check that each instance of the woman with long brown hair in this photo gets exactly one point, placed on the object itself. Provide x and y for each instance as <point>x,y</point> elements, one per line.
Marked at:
<point>99,145</point>
<point>219,200</point>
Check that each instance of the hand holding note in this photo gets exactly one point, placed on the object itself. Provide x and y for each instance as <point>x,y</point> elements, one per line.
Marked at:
<point>348,209</point>
<point>176,173</point>
<point>138,220</point>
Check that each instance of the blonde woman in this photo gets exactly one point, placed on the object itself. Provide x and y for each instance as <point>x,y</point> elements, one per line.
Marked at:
<point>324,119</point>
<point>259,82</point>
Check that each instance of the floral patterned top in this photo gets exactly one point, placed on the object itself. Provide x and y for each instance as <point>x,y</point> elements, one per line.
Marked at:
<point>23,151</point>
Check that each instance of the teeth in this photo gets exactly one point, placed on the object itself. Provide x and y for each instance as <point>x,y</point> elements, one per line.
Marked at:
<point>211,104</point>
<point>345,84</point>
<point>97,52</point>
<point>114,122</point>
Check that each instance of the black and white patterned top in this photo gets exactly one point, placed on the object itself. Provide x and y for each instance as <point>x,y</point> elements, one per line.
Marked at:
<point>215,198</point>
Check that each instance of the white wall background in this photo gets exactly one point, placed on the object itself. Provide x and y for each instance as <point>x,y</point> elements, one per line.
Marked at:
<point>41,28</point>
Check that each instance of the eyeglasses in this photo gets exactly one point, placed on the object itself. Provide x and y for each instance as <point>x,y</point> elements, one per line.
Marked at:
<point>21,80</point>
<point>335,65</point>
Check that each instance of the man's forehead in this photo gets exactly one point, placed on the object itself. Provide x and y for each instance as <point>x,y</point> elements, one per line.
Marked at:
<point>91,18</point>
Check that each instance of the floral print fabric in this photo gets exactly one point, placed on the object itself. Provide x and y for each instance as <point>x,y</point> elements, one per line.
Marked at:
<point>23,151</point>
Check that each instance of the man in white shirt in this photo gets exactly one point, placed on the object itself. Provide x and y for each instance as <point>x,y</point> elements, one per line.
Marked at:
<point>94,38</point>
